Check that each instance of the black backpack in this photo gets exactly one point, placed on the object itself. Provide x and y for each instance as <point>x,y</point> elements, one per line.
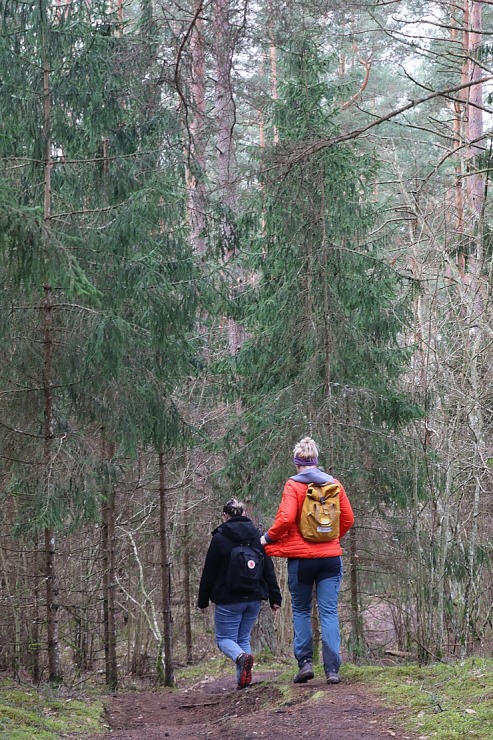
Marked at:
<point>245,569</point>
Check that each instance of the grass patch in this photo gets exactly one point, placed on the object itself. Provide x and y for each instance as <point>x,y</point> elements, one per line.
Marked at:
<point>438,702</point>
<point>28,713</point>
<point>215,667</point>
<point>218,665</point>
<point>442,702</point>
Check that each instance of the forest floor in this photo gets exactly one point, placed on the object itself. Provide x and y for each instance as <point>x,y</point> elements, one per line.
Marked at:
<point>212,707</point>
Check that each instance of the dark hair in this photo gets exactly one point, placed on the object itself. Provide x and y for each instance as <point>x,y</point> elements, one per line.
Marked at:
<point>232,507</point>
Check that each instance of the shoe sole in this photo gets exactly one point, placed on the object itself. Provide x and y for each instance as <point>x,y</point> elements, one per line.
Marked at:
<point>246,672</point>
<point>303,679</point>
<point>334,680</point>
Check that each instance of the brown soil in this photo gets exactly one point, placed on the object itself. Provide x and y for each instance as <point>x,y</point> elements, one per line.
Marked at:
<point>213,707</point>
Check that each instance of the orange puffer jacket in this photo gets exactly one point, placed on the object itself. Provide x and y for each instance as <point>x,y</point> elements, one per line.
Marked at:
<point>284,539</point>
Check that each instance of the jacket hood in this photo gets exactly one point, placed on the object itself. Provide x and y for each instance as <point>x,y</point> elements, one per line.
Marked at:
<point>313,475</point>
<point>238,529</point>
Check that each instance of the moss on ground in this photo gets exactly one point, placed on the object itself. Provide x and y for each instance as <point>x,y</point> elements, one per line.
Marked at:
<point>27,713</point>
<point>445,701</point>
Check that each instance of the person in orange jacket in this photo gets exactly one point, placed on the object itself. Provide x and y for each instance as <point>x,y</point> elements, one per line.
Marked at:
<point>310,563</point>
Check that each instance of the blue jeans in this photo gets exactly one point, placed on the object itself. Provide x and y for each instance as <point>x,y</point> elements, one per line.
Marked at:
<point>234,624</point>
<point>326,574</point>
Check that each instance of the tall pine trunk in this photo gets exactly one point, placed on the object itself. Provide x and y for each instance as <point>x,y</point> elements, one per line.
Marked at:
<point>227,173</point>
<point>195,176</point>
<point>473,290</point>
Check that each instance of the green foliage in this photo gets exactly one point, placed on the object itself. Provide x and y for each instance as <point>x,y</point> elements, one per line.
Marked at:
<point>28,714</point>
<point>443,701</point>
<point>111,250</point>
<point>326,316</point>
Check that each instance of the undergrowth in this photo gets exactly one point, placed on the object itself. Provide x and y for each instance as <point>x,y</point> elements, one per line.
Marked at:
<point>445,701</point>
<point>45,713</point>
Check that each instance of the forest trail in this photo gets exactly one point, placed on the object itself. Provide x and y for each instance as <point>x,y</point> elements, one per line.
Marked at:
<point>213,707</point>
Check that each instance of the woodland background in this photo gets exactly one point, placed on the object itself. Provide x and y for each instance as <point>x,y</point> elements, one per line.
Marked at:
<point>225,225</point>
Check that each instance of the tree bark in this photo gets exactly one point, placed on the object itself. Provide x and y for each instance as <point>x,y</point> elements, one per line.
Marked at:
<point>49,534</point>
<point>327,332</point>
<point>473,289</point>
<point>225,119</point>
<point>187,597</point>
<point>49,422</point>
<point>196,155</point>
<point>169,678</point>
<point>109,580</point>
<point>357,634</point>
<point>35,637</point>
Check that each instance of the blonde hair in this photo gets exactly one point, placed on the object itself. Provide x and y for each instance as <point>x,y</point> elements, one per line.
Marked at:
<point>306,449</point>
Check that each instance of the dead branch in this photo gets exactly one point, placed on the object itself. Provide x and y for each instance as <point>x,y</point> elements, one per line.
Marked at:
<point>316,146</point>
<point>367,65</point>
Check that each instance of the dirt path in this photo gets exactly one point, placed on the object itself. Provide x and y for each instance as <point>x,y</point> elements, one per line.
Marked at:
<point>213,708</point>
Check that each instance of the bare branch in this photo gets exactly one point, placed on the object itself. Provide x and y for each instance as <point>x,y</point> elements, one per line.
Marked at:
<point>319,144</point>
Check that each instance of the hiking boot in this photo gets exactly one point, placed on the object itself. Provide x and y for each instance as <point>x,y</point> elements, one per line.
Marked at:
<point>333,678</point>
<point>244,663</point>
<point>304,674</point>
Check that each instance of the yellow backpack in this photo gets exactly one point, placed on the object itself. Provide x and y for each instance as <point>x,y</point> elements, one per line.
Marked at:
<point>320,514</point>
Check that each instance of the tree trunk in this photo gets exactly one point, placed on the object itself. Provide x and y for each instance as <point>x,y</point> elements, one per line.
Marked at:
<point>225,119</point>
<point>52,605</point>
<point>327,332</point>
<point>35,636</point>
<point>109,580</point>
<point>196,155</point>
<point>474,290</point>
<point>169,678</point>
<point>357,635</point>
<point>49,422</point>
<point>444,506</point>
<point>422,577</point>
<point>273,74</point>
<point>186,589</point>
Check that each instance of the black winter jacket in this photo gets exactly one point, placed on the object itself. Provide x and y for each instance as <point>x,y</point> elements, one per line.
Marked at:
<point>213,581</point>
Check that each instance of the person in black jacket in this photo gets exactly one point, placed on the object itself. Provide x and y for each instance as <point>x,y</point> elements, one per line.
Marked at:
<point>235,612</point>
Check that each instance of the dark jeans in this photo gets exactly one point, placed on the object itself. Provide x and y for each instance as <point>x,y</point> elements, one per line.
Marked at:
<point>326,575</point>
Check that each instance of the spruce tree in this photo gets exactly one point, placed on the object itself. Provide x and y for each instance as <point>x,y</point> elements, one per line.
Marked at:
<point>99,274</point>
<point>325,316</point>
